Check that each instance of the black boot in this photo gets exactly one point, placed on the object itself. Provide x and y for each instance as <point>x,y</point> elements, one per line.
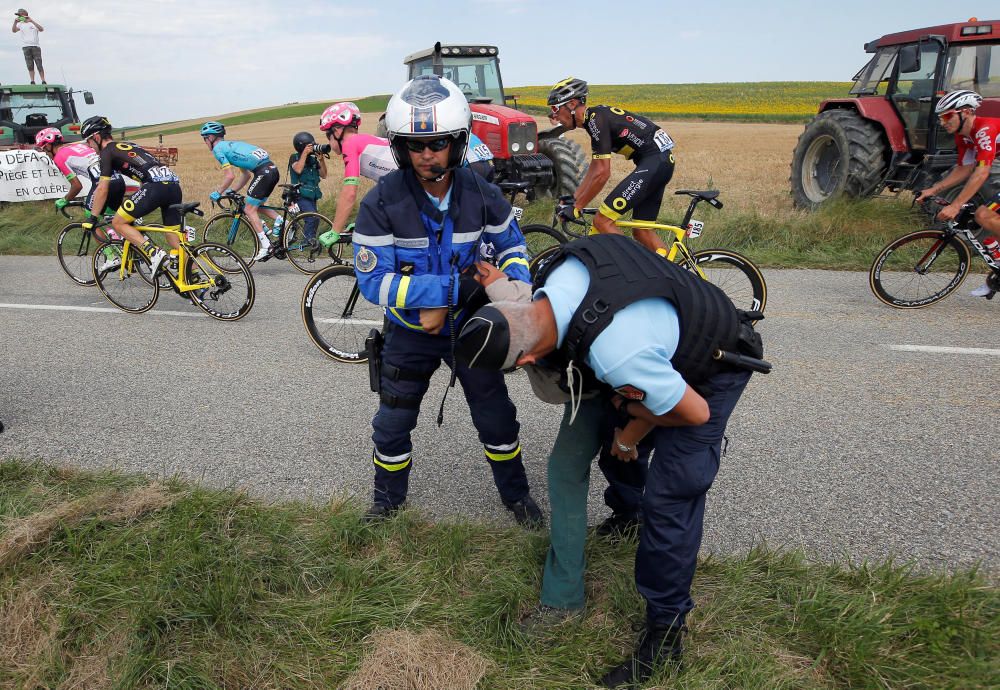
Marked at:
<point>379,512</point>
<point>619,526</point>
<point>657,645</point>
<point>526,512</point>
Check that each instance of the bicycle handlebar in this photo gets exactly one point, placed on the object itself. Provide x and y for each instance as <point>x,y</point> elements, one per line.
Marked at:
<point>75,202</point>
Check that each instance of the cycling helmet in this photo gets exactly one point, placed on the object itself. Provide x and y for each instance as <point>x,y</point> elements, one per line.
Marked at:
<point>568,89</point>
<point>301,140</point>
<point>344,114</point>
<point>955,100</point>
<point>427,106</point>
<point>49,135</point>
<point>213,128</point>
<point>93,125</point>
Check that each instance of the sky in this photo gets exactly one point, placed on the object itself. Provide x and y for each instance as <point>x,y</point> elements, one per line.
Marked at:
<point>164,60</point>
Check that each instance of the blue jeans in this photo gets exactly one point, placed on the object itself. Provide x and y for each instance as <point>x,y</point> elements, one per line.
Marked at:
<point>311,223</point>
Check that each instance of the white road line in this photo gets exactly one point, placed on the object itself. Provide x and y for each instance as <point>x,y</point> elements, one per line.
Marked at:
<point>945,350</point>
<point>359,322</point>
<point>106,310</point>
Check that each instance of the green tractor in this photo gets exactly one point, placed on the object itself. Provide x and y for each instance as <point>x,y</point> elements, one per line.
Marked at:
<point>26,109</point>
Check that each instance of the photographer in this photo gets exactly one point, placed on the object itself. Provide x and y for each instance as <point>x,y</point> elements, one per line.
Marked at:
<point>307,168</point>
<point>29,29</point>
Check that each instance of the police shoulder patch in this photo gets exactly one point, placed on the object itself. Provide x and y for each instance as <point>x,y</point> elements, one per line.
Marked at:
<point>365,260</point>
<point>631,393</point>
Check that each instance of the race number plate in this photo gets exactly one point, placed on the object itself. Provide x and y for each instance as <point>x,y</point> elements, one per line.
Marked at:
<point>695,227</point>
<point>518,212</point>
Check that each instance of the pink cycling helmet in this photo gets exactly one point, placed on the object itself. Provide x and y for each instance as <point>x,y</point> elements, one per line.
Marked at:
<point>344,114</point>
<point>49,135</point>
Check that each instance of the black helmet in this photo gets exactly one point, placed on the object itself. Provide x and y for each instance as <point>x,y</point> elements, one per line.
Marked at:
<point>93,125</point>
<point>301,140</point>
<point>568,89</point>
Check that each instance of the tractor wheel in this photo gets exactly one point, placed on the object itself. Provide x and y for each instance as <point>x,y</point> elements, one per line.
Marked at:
<point>568,163</point>
<point>839,153</point>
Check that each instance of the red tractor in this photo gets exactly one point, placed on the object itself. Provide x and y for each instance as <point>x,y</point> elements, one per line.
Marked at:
<point>548,162</point>
<point>886,136</point>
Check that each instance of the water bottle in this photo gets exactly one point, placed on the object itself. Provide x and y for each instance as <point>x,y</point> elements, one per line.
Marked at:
<point>190,232</point>
<point>993,247</point>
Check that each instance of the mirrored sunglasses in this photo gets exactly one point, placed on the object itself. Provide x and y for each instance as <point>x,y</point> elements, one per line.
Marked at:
<point>418,145</point>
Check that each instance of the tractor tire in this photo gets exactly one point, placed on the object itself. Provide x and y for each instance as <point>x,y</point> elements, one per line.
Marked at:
<point>839,154</point>
<point>568,164</point>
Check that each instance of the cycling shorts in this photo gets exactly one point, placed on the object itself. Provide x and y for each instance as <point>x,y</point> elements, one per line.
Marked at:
<point>152,196</point>
<point>116,194</point>
<point>641,192</point>
<point>265,179</point>
<point>991,193</point>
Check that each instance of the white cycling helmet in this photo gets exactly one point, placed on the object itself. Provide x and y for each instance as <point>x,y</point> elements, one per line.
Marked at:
<point>428,106</point>
<point>955,100</point>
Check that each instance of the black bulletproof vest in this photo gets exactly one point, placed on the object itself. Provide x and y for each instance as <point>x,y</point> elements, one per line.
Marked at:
<point>623,272</point>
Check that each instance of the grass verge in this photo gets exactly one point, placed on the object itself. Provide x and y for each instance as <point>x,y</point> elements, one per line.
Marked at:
<point>844,235</point>
<point>108,580</point>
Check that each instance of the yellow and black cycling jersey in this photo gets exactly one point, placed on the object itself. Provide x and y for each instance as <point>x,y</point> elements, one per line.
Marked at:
<point>135,162</point>
<point>613,130</point>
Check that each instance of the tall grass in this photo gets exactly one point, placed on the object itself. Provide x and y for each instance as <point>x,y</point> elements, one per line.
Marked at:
<point>175,585</point>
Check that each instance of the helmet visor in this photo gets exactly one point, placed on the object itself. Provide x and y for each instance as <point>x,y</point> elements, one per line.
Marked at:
<point>436,145</point>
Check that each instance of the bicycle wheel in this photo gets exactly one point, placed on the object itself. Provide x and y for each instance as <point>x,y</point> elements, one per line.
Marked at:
<point>336,316</point>
<point>121,279</point>
<point>236,233</point>
<point>302,249</point>
<point>919,269</point>
<point>736,275</point>
<point>540,258</point>
<point>539,238</point>
<point>232,293</point>
<point>75,251</point>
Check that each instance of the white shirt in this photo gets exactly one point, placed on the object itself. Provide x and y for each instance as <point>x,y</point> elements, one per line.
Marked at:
<point>29,33</point>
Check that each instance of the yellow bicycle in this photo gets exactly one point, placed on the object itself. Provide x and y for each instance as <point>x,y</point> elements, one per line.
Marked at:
<point>211,275</point>
<point>734,273</point>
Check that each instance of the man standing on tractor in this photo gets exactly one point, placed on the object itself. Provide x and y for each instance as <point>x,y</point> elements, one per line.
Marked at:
<point>976,139</point>
<point>418,236</point>
<point>614,130</point>
<point>255,167</point>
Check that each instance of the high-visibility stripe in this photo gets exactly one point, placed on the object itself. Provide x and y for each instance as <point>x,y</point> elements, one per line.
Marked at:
<point>513,260</point>
<point>500,457</point>
<point>384,287</point>
<point>372,240</point>
<point>519,249</point>
<point>465,237</point>
<point>404,285</point>
<point>606,210</point>
<point>413,327</point>
<point>391,466</point>
<point>503,447</point>
<point>494,229</point>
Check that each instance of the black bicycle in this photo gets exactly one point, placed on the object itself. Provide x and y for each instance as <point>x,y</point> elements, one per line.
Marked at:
<point>924,267</point>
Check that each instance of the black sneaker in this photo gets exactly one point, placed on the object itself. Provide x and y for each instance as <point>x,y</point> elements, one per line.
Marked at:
<point>657,646</point>
<point>526,512</point>
<point>379,512</point>
<point>618,527</point>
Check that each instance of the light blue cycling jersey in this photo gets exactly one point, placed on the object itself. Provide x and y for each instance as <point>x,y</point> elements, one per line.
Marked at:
<point>478,151</point>
<point>241,154</point>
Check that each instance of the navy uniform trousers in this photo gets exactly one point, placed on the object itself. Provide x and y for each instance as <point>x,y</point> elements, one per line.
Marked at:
<point>684,465</point>
<point>409,359</point>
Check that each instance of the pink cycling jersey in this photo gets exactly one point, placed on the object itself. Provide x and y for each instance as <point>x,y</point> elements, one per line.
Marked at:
<point>78,159</point>
<point>368,155</point>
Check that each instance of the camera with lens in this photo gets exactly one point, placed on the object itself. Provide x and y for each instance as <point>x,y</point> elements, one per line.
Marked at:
<point>322,149</point>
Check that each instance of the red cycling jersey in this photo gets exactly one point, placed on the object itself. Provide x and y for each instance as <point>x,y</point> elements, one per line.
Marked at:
<point>980,148</point>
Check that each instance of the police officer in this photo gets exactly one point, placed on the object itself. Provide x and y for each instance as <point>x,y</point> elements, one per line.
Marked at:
<point>669,350</point>
<point>416,232</point>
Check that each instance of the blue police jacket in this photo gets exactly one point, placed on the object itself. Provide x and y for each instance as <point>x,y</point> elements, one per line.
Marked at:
<point>408,254</point>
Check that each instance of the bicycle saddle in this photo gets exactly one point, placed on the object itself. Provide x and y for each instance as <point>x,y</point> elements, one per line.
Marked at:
<point>707,195</point>
<point>185,208</point>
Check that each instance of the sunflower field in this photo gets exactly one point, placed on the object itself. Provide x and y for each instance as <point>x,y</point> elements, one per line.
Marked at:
<point>771,101</point>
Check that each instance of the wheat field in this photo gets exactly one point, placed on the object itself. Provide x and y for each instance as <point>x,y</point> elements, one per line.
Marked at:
<point>749,162</point>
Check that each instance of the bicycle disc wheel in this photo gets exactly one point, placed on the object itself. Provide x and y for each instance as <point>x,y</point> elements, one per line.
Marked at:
<point>539,238</point>
<point>75,248</point>
<point>302,249</point>
<point>120,277</point>
<point>336,315</point>
<point>232,292</point>
<point>919,269</point>
<point>236,233</point>
<point>736,275</point>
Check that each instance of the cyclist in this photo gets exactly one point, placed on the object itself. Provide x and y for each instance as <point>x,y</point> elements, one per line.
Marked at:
<point>76,160</point>
<point>306,167</point>
<point>418,233</point>
<point>613,130</point>
<point>160,187</point>
<point>976,139</point>
<point>256,168</point>
<point>369,156</point>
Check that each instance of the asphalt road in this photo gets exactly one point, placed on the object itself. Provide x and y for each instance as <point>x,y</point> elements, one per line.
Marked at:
<point>849,449</point>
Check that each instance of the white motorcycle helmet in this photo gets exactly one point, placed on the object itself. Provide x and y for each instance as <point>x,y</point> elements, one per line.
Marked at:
<point>428,107</point>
